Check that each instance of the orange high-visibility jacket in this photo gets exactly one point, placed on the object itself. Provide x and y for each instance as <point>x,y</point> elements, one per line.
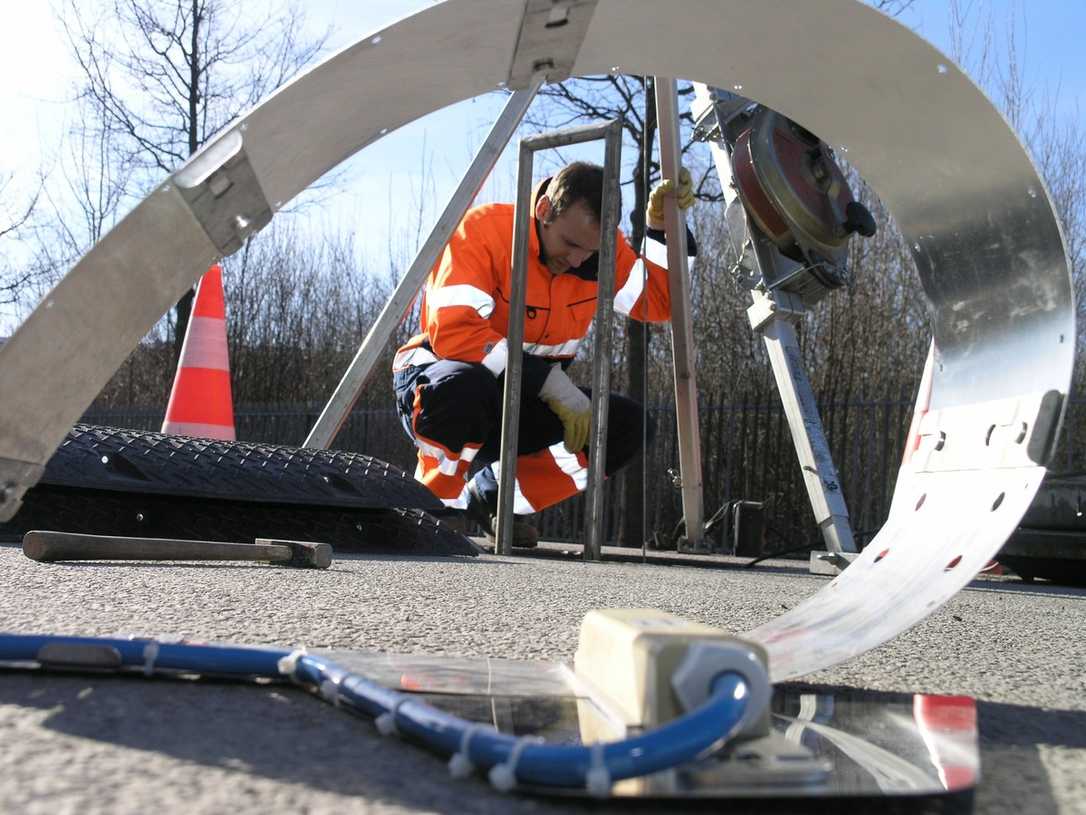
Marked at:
<point>465,307</point>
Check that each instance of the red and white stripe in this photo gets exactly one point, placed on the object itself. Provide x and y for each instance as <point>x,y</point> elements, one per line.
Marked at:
<point>948,726</point>
<point>201,403</point>
<point>923,403</point>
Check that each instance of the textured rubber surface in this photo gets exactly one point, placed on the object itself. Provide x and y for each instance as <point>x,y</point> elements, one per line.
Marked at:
<point>137,461</point>
<point>108,512</point>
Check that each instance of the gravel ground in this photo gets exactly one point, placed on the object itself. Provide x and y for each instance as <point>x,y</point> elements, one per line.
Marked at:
<point>98,744</point>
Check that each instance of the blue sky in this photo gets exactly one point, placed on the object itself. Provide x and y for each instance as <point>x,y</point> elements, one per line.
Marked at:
<point>1052,32</point>
<point>386,181</point>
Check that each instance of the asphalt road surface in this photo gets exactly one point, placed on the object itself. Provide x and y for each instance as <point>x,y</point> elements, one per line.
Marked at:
<point>105,744</point>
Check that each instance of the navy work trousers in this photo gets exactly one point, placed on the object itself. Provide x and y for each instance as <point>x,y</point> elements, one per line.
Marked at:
<point>459,404</point>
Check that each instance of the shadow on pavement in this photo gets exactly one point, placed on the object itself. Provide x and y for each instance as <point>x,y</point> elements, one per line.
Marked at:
<point>1013,775</point>
<point>1023,726</point>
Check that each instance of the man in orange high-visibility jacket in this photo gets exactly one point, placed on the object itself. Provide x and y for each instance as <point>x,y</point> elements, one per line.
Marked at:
<point>449,378</point>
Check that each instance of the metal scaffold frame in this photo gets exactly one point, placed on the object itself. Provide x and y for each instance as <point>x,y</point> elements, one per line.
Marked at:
<point>683,354</point>
<point>611,133</point>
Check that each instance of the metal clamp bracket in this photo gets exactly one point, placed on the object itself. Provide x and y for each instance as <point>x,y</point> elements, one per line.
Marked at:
<point>996,434</point>
<point>776,305</point>
<point>713,112</point>
<point>224,194</point>
<point>550,38</point>
<point>611,133</point>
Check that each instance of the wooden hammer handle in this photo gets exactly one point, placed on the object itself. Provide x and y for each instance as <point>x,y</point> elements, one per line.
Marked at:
<point>50,546</point>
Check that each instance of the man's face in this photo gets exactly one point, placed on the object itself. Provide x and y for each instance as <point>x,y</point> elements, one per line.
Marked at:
<point>571,238</point>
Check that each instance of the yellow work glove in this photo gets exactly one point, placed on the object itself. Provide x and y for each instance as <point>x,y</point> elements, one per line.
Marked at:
<point>569,404</point>
<point>654,212</point>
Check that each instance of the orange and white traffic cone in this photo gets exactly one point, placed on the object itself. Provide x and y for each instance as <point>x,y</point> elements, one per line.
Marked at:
<point>200,401</point>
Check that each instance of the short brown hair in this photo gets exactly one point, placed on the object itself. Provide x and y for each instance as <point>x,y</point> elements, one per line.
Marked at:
<point>579,181</point>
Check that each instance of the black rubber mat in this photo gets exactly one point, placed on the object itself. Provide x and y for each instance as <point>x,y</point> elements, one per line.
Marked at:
<point>137,461</point>
<point>389,531</point>
<point>109,481</point>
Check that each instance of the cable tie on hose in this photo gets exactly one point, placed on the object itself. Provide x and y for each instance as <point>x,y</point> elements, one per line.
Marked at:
<point>460,765</point>
<point>150,654</point>
<point>330,692</point>
<point>503,777</point>
<point>386,722</point>
<point>597,781</point>
<point>289,664</point>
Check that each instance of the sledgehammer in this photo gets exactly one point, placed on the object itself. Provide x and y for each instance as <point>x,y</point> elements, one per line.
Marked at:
<point>50,546</point>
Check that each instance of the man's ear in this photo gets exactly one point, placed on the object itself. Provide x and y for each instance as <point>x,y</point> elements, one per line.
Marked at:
<point>543,208</point>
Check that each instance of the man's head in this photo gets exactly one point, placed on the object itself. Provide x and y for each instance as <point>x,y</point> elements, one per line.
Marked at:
<point>569,216</point>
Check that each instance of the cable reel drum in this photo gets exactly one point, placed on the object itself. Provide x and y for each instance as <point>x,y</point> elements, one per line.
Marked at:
<point>795,192</point>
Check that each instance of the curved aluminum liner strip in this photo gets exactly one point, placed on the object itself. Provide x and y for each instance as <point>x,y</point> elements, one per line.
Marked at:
<point>965,194</point>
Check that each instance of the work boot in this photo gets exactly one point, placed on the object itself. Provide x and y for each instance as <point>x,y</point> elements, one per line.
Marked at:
<point>525,535</point>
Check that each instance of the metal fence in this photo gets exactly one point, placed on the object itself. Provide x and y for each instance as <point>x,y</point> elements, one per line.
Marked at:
<point>747,453</point>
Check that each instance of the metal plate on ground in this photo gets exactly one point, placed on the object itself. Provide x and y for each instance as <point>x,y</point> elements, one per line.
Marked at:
<point>826,742</point>
<point>486,676</point>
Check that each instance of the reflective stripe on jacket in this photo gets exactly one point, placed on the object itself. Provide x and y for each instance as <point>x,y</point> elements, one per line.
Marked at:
<point>465,307</point>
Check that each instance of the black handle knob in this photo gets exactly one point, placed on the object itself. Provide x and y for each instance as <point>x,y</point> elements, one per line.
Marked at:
<point>858,219</point>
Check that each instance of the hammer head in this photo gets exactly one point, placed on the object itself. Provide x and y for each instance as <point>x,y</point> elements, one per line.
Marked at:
<point>304,554</point>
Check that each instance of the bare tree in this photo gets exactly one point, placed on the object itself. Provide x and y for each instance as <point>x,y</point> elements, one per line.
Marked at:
<point>161,77</point>
<point>80,199</point>
<point>995,56</point>
<point>894,8</point>
<point>14,276</point>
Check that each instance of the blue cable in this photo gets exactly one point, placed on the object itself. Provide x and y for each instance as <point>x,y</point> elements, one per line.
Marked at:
<point>677,742</point>
<point>674,743</point>
<point>220,660</point>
